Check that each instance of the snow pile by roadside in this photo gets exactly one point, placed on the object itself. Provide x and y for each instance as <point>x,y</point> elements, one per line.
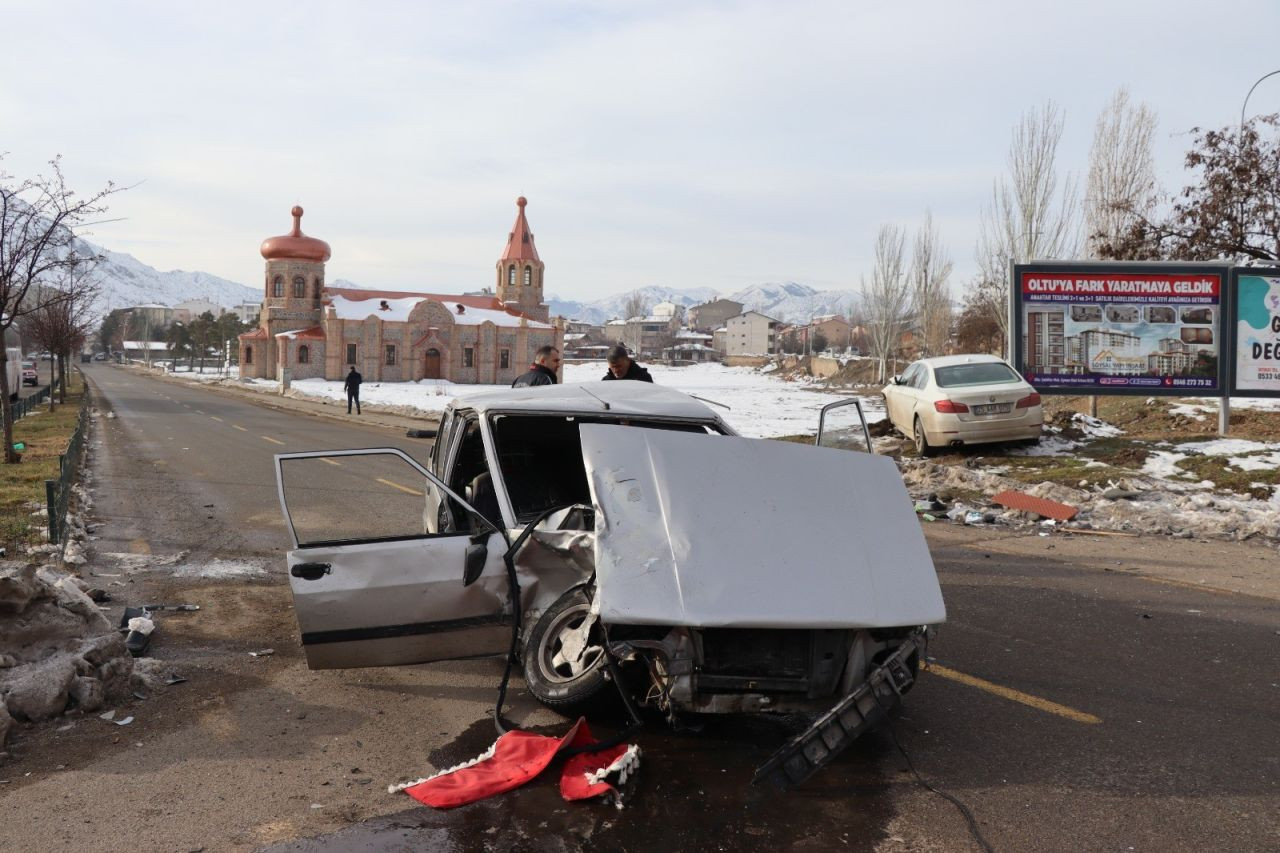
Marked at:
<point>1140,504</point>
<point>58,652</point>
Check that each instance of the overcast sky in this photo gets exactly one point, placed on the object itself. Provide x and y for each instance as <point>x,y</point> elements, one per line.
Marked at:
<point>685,144</point>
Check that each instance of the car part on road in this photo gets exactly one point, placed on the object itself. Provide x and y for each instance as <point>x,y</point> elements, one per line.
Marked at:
<point>835,730</point>
<point>1040,506</point>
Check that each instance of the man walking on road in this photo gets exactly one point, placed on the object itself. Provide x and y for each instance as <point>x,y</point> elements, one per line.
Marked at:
<point>352,386</point>
<point>543,370</point>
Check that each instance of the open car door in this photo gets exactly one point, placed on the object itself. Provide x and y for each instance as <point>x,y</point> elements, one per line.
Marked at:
<point>372,584</point>
<point>843,426</point>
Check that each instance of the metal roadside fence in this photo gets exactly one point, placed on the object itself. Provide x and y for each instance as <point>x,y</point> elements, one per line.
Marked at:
<point>58,492</point>
<point>23,407</point>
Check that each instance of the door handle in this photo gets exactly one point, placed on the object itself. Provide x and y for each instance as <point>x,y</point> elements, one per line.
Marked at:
<point>310,571</point>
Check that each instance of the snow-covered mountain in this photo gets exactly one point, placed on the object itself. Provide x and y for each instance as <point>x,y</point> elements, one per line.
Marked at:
<point>601,310</point>
<point>127,281</point>
<point>795,303</point>
<point>790,302</point>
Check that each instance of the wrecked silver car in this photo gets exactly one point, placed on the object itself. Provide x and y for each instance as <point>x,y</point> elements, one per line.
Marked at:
<point>620,537</point>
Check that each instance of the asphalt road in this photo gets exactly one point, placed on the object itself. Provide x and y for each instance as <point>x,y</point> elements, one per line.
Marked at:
<point>1069,707</point>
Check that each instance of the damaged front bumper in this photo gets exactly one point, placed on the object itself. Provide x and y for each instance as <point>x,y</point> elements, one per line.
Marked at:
<point>834,731</point>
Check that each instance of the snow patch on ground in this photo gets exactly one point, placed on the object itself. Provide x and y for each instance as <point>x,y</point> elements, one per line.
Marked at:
<point>1163,464</point>
<point>221,569</point>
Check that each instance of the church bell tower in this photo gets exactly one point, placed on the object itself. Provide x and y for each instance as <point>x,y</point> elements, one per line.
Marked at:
<point>520,270</point>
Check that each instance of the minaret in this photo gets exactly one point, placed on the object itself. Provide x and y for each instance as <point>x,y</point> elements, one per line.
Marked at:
<point>520,270</point>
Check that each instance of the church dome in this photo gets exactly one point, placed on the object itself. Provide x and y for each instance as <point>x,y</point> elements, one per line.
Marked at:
<point>295,245</point>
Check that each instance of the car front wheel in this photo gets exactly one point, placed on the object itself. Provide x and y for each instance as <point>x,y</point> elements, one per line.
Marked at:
<point>564,663</point>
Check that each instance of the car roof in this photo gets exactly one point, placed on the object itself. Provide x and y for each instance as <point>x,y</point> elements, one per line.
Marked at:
<point>621,397</point>
<point>950,360</point>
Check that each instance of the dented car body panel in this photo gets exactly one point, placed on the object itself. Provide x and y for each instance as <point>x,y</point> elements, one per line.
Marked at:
<point>736,532</point>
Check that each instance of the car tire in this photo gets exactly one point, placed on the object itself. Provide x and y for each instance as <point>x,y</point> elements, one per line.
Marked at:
<point>567,686</point>
<point>923,447</point>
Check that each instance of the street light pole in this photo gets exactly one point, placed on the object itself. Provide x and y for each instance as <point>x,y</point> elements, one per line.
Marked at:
<point>1245,105</point>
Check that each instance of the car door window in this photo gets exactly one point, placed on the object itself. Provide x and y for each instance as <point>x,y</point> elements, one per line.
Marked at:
<point>843,426</point>
<point>921,378</point>
<point>358,496</point>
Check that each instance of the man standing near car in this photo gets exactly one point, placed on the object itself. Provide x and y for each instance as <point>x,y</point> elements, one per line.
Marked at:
<point>352,386</point>
<point>621,366</point>
<point>543,370</point>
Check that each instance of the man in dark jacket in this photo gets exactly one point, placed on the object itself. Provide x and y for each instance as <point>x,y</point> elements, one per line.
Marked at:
<point>352,387</point>
<point>622,367</point>
<point>543,370</point>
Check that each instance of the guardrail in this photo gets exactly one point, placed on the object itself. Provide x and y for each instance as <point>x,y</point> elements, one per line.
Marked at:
<point>58,492</point>
<point>23,407</point>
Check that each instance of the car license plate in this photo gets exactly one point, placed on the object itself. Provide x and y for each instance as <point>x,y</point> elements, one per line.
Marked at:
<point>994,409</point>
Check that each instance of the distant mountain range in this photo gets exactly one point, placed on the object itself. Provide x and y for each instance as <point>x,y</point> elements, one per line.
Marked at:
<point>789,302</point>
<point>127,281</point>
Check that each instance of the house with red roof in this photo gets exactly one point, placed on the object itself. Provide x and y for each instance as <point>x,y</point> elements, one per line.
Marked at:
<point>307,329</point>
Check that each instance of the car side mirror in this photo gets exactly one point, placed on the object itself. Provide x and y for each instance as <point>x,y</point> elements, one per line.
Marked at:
<point>897,380</point>
<point>474,561</point>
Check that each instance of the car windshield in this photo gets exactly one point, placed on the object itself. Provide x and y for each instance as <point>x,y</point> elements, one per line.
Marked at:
<point>983,373</point>
<point>540,457</point>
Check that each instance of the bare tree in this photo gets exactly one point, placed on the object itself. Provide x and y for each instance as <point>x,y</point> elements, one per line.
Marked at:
<point>38,218</point>
<point>62,318</point>
<point>1121,189</point>
<point>886,297</point>
<point>1030,217</point>
<point>930,295</point>
<point>635,306</point>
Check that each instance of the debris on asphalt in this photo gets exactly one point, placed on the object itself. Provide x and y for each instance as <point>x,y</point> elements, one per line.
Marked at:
<point>123,722</point>
<point>262,653</point>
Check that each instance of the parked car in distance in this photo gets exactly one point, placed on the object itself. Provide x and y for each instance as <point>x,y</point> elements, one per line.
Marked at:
<point>29,375</point>
<point>102,356</point>
<point>956,400</point>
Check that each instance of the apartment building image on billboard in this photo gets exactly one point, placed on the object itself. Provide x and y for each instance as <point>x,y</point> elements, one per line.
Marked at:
<point>1106,351</point>
<point>1044,341</point>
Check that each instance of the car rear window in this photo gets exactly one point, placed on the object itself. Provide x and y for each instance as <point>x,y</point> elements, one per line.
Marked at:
<point>984,373</point>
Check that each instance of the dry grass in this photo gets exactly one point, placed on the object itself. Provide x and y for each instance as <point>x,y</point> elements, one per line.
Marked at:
<point>22,489</point>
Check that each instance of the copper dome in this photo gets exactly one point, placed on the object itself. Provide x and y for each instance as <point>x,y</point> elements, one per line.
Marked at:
<point>295,245</point>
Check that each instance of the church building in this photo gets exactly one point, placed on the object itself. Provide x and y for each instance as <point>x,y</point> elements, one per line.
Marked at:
<point>308,330</point>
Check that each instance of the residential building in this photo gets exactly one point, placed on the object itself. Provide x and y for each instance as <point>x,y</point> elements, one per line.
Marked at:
<point>714,314</point>
<point>751,333</point>
<point>189,309</point>
<point>1044,342</point>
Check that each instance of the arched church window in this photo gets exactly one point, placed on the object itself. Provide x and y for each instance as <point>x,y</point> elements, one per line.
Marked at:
<point>277,286</point>
<point>299,287</point>
<point>528,276</point>
<point>511,274</point>
<point>248,355</point>
<point>304,354</point>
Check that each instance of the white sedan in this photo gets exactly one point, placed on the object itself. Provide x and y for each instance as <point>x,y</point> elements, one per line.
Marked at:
<point>955,400</point>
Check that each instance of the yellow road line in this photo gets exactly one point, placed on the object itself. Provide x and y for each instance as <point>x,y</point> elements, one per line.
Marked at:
<point>398,486</point>
<point>270,439</point>
<point>242,429</point>
<point>1014,695</point>
<point>216,418</point>
<point>330,462</point>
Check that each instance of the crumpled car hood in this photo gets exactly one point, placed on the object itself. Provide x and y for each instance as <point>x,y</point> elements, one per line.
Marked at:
<point>721,531</point>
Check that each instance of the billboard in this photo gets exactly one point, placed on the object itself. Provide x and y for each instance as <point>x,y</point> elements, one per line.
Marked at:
<point>1120,328</point>
<point>1255,371</point>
